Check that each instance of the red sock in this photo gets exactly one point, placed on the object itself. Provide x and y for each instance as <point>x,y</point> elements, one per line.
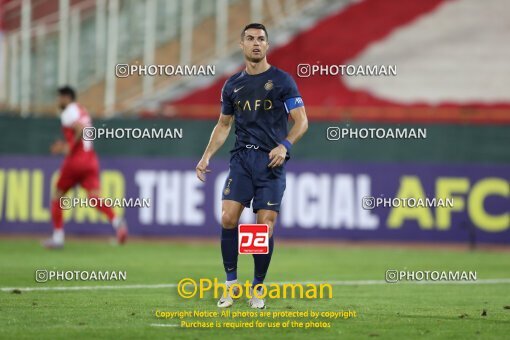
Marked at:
<point>105,210</point>
<point>56,215</point>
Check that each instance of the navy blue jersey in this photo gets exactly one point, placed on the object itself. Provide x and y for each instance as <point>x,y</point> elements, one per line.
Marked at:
<point>261,104</point>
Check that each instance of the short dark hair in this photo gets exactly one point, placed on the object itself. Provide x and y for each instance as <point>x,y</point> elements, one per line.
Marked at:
<point>254,25</point>
<point>67,91</point>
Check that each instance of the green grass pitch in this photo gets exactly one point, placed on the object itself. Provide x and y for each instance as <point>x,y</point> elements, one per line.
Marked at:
<point>384,311</point>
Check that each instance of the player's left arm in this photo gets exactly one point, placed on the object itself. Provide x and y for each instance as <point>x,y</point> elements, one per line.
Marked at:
<point>278,154</point>
<point>300,126</point>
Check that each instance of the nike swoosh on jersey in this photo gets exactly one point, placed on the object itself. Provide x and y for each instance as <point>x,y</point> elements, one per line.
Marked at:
<point>236,90</point>
<point>269,203</point>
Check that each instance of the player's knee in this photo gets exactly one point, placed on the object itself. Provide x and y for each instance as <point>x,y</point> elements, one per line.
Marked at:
<point>229,220</point>
<point>269,220</point>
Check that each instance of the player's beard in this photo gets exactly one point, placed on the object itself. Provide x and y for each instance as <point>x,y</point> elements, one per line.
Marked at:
<point>255,60</point>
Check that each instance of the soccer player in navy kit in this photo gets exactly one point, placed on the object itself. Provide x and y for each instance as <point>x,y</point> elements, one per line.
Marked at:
<point>259,99</point>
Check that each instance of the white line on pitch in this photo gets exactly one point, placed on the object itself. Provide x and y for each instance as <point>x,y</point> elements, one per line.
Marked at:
<point>140,286</point>
<point>380,282</point>
<point>173,285</point>
<point>163,325</point>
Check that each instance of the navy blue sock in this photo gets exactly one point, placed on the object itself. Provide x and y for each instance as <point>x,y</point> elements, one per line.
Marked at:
<point>229,251</point>
<point>262,264</point>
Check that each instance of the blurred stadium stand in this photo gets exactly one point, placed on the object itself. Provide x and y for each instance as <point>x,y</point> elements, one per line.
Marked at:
<point>79,43</point>
<point>439,78</point>
<point>44,47</point>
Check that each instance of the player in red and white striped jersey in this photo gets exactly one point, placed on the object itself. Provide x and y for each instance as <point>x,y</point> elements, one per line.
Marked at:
<point>80,166</point>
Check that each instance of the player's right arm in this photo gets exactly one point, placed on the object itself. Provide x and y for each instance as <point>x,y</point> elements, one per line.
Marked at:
<point>218,137</point>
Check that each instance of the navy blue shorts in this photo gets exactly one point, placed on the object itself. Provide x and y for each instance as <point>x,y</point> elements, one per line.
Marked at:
<point>250,178</point>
